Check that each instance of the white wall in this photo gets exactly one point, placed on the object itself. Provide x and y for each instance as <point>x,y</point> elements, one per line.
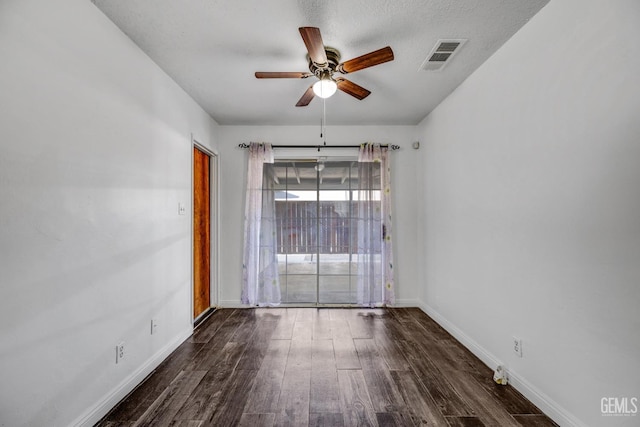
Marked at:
<point>95,154</point>
<point>232,195</point>
<point>532,207</point>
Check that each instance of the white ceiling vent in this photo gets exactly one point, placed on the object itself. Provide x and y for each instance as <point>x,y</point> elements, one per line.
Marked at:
<point>441,54</point>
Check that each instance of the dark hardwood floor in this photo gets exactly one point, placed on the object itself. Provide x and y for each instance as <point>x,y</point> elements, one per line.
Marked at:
<point>323,367</point>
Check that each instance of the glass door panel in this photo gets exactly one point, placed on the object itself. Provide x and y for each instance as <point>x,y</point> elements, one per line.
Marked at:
<point>316,230</point>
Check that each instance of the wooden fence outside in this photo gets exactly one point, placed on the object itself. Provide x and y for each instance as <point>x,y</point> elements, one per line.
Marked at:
<point>303,227</point>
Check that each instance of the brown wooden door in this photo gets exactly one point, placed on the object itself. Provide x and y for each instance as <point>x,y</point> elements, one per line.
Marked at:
<point>201,232</point>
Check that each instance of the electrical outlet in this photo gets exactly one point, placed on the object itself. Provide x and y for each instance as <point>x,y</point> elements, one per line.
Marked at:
<point>182,209</point>
<point>154,326</point>
<point>119,352</point>
<point>517,346</point>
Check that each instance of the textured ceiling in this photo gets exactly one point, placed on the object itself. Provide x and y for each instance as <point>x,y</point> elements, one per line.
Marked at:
<point>212,48</point>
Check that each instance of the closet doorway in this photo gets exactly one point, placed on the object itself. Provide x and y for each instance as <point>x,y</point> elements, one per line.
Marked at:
<point>204,230</point>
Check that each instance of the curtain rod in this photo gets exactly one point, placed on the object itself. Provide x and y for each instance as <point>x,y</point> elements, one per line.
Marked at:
<point>319,147</point>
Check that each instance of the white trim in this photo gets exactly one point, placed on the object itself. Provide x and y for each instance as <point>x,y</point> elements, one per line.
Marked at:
<point>547,405</point>
<point>406,303</point>
<point>399,303</point>
<point>191,272</point>
<point>214,295</point>
<point>487,358</point>
<point>214,195</point>
<point>544,402</point>
<point>110,400</point>
<point>204,147</point>
<point>232,303</point>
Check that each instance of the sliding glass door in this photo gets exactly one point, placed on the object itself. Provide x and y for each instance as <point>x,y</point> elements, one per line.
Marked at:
<point>316,229</point>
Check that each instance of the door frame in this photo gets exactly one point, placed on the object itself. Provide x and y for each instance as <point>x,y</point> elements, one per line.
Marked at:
<point>214,261</point>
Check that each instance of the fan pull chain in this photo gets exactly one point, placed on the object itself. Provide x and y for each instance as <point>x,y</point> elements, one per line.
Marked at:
<point>323,123</point>
<point>324,120</point>
<point>321,129</point>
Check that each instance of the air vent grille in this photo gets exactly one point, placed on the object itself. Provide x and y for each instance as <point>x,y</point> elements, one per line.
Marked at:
<point>441,54</point>
<point>439,57</point>
<point>447,46</point>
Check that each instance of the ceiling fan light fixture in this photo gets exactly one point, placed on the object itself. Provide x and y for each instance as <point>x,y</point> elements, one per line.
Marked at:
<point>325,87</point>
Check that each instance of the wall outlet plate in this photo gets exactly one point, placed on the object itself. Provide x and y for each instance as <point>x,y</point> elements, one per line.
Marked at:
<point>119,352</point>
<point>517,346</point>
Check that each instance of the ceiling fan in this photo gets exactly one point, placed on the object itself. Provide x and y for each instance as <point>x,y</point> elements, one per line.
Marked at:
<point>323,63</point>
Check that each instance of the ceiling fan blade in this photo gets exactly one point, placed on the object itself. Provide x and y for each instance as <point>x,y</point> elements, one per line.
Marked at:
<point>313,41</point>
<point>282,75</point>
<point>377,57</point>
<point>352,89</point>
<point>306,98</point>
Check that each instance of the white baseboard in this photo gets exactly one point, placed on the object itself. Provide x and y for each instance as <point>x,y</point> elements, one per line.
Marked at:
<point>544,402</point>
<point>100,409</point>
<point>547,405</point>
<point>487,358</point>
<point>407,303</point>
<point>398,303</point>
<point>231,303</point>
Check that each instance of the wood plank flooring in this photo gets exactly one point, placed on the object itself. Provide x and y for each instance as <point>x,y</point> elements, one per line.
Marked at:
<point>322,367</point>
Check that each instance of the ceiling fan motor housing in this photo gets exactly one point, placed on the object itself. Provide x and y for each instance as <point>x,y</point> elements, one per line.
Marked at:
<point>333,59</point>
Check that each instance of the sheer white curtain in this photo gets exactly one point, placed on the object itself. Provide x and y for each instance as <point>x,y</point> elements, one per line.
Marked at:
<point>375,248</point>
<point>260,285</point>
